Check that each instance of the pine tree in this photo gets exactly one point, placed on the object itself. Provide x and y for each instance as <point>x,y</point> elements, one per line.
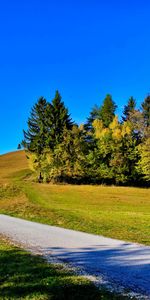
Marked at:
<point>146,110</point>
<point>129,108</point>
<point>36,134</point>
<point>94,114</point>
<point>107,111</point>
<point>144,162</point>
<point>89,138</point>
<point>58,118</point>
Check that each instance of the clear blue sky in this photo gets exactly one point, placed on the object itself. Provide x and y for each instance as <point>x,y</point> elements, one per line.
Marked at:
<point>83,48</point>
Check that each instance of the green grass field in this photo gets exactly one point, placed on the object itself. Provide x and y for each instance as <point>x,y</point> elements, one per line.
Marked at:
<point>117,212</point>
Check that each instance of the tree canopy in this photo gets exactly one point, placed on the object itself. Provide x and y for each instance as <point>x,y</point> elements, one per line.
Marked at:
<point>103,150</point>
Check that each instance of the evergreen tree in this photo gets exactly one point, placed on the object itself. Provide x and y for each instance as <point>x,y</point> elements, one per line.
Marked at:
<point>89,138</point>
<point>57,119</point>
<point>107,111</point>
<point>146,110</point>
<point>94,114</point>
<point>129,108</point>
<point>144,162</point>
<point>36,134</point>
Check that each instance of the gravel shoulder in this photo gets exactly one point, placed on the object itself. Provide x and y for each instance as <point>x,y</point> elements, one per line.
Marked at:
<point>119,265</point>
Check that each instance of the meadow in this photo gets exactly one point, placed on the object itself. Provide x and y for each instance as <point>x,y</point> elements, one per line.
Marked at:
<point>117,212</point>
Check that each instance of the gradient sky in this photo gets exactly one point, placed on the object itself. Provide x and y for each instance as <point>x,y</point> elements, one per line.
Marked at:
<point>83,48</point>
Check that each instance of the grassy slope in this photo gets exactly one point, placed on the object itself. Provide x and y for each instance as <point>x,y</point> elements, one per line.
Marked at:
<point>11,163</point>
<point>117,212</point>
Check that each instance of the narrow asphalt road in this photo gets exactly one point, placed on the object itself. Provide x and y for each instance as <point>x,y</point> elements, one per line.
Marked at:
<point>119,263</point>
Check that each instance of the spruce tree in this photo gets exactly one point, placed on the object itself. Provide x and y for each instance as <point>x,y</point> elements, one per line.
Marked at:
<point>94,114</point>
<point>146,110</point>
<point>36,134</point>
<point>88,126</point>
<point>107,111</point>
<point>129,108</point>
<point>144,162</point>
<point>58,118</point>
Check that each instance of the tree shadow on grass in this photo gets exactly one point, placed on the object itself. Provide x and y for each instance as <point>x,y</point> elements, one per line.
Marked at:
<point>25,276</point>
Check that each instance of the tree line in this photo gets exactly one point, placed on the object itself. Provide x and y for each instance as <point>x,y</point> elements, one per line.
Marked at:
<point>103,150</point>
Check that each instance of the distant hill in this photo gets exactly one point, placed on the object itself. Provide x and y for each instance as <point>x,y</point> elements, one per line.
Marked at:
<point>12,162</point>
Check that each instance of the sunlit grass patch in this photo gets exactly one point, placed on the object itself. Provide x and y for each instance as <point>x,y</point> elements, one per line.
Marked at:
<point>9,190</point>
<point>11,163</point>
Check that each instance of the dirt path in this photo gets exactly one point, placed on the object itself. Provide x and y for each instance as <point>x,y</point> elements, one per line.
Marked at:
<point>120,264</point>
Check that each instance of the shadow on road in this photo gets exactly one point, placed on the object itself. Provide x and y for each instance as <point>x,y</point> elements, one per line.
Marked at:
<point>25,276</point>
<point>128,266</point>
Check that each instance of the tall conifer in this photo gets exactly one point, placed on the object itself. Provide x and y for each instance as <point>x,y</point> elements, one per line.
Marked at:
<point>36,134</point>
<point>107,111</point>
<point>129,108</point>
<point>58,119</point>
<point>94,114</point>
<point>146,110</point>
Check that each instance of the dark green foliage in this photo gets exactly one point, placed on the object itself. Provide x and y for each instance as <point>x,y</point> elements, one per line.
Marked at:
<point>57,119</point>
<point>46,124</point>
<point>146,110</point>
<point>144,162</point>
<point>19,146</point>
<point>107,111</point>
<point>89,138</point>
<point>36,134</point>
<point>129,108</point>
<point>94,114</point>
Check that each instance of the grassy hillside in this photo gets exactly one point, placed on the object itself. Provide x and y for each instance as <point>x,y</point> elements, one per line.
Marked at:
<point>10,163</point>
<point>117,212</point>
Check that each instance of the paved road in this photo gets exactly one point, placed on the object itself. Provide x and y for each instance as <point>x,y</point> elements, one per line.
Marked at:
<point>120,263</point>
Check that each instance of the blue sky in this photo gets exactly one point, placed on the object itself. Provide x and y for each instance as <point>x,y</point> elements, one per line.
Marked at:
<point>85,49</point>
